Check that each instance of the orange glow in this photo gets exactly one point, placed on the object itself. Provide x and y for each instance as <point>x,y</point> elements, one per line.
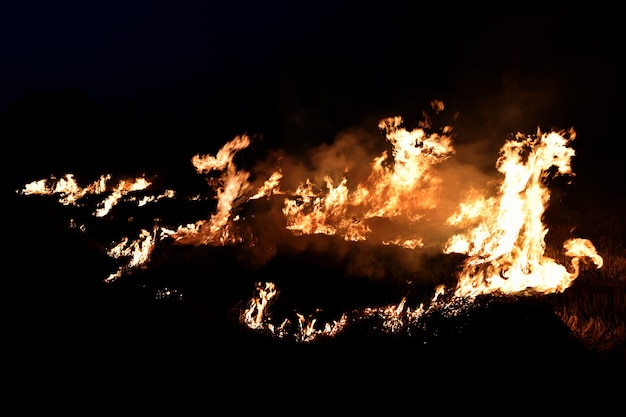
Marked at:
<point>399,187</point>
<point>504,237</point>
<point>501,233</point>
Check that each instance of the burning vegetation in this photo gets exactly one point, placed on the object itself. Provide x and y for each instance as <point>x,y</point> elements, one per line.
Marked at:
<point>413,197</point>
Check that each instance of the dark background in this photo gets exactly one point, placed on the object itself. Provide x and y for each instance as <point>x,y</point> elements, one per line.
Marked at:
<point>137,83</point>
<point>141,86</point>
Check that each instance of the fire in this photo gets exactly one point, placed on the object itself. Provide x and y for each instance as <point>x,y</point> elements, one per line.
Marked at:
<point>257,317</point>
<point>505,237</point>
<point>67,188</point>
<point>390,319</point>
<point>70,193</point>
<point>400,186</point>
<point>231,185</point>
<point>501,233</point>
<point>137,251</point>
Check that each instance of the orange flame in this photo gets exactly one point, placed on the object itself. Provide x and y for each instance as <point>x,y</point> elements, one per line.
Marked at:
<point>257,317</point>
<point>502,235</point>
<point>505,241</point>
<point>70,192</point>
<point>232,184</point>
<point>402,185</point>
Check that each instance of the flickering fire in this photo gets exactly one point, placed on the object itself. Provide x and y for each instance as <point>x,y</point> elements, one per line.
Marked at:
<point>505,241</point>
<point>70,193</point>
<point>400,185</point>
<point>504,237</point>
<point>232,184</point>
<point>256,316</point>
<point>501,233</point>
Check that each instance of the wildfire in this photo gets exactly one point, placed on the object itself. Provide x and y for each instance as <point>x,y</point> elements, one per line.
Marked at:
<point>256,316</point>
<point>505,235</point>
<point>502,234</point>
<point>230,186</point>
<point>401,185</point>
<point>505,245</point>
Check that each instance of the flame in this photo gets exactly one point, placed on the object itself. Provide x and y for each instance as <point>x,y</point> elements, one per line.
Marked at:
<point>400,186</point>
<point>391,319</point>
<point>231,188</point>
<point>501,233</point>
<point>505,238</point>
<point>70,193</point>
<point>66,187</point>
<point>256,316</point>
<point>138,251</point>
<point>253,316</point>
<point>231,185</point>
<point>270,186</point>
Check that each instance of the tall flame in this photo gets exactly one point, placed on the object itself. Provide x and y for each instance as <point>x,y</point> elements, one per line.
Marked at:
<point>505,243</point>
<point>231,185</point>
<point>501,234</point>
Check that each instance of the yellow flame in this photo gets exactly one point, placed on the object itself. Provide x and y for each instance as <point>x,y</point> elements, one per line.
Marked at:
<point>398,186</point>
<point>70,192</point>
<point>122,188</point>
<point>504,238</point>
<point>66,187</point>
<point>506,247</point>
<point>138,251</point>
<point>256,316</point>
<point>232,184</point>
<point>502,235</point>
<point>269,187</point>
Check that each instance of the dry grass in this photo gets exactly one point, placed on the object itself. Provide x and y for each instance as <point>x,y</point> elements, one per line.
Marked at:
<point>594,307</point>
<point>595,314</point>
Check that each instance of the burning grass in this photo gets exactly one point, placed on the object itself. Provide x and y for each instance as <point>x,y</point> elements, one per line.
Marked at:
<point>411,248</point>
<point>594,307</point>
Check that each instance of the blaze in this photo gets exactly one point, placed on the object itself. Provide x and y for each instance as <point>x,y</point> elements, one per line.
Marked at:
<point>504,238</point>
<point>257,316</point>
<point>400,187</point>
<point>501,233</point>
<point>505,234</point>
<point>230,186</point>
<point>71,193</point>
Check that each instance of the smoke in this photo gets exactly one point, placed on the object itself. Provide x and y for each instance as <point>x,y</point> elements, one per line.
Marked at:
<point>372,202</point>
<point>513,102</point>
<point>352,157</point>
<point>478,129</point>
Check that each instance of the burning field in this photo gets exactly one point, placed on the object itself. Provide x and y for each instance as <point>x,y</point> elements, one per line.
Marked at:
<point>389,246</point>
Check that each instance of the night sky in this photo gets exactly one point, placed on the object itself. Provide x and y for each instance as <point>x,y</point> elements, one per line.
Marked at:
<point>190,76</point>
<point>141,86</point>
